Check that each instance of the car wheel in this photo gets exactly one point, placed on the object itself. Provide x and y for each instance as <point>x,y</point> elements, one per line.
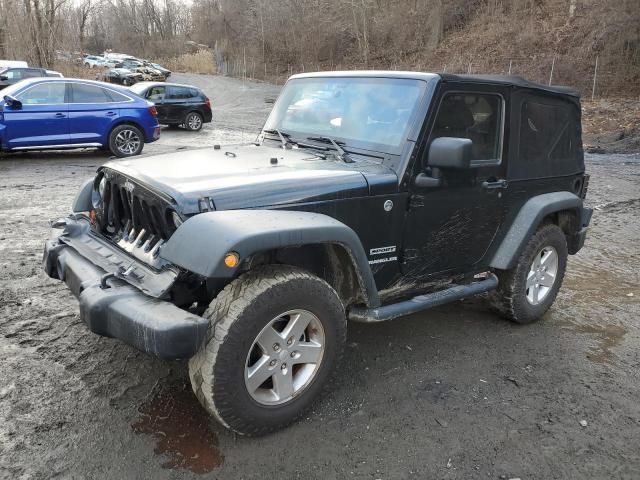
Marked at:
<point>276,336</point>
<point>527,291</point>
<point>126,141</point>
<point>193,121</point>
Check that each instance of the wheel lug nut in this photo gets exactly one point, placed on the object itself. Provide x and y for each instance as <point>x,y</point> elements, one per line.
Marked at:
<point>283,366</point>
<point>293,354</point>
<point>290,341</point>
<point>273,363</point>
<point>276,347</point>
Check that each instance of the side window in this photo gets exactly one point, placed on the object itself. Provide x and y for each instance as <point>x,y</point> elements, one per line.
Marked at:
<point>84,93</point>
<point>544,132</point>
<point>44,94</point>
<point>13,74</point>
<point>156,94</point>
<point>32,73</point>
<point>178,93</point>
<point>476,116</point>
<point>117,97</point>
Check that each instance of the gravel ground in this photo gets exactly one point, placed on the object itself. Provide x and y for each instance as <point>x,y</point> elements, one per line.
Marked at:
<point>452,393</point>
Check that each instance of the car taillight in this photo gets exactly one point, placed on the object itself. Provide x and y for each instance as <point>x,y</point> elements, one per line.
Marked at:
<point>153,111</point>
<point>207,102</point>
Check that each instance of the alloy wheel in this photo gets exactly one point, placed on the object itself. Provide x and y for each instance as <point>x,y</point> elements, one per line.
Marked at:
<point>542,275</point>
<point>127,142</point>
<point>194,122</point>
<point>285,357</point>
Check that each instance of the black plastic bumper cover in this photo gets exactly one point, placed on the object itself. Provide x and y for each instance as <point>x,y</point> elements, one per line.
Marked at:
<point>122,311</point>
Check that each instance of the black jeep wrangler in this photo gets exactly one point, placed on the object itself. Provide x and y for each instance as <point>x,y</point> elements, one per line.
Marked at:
<point>367,196</point>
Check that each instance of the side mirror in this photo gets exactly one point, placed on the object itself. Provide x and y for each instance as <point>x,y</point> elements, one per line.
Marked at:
<point>12,101</point>
<point>450,152</point>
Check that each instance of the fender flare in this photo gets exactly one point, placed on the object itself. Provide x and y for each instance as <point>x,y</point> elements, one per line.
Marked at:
<point>527,221</point>
<point>82,200</point>
<point>200,244</point>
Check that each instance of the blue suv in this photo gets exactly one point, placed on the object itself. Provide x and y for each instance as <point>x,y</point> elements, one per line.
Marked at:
<point>46,113</point>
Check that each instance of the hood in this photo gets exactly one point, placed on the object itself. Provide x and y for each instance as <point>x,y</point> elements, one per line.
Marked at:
<point>236,177</point>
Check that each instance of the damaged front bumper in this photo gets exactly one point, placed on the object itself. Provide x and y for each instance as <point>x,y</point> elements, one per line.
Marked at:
<point>120,296</point>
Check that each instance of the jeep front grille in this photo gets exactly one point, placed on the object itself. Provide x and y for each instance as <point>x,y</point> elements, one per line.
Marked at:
<point>132,215</point>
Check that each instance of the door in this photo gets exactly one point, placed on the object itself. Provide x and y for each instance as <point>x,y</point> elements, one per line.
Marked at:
<point>41,120</point>
<point>157,94</point>
<point>450,226</point>
<point>91,113</point>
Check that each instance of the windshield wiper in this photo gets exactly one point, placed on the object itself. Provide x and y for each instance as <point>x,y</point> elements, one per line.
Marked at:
<point>344,156</point>
<point>284,138</point>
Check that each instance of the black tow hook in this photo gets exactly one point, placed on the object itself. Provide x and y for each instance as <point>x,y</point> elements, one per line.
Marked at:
<point>104,278</point>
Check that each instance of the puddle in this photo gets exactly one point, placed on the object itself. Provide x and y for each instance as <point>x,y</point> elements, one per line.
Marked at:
<point>181,427</point>
<point>608,336</point>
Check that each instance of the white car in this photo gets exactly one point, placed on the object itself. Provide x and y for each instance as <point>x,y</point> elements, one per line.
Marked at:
<point>93,61</point>
<point>12,64</point>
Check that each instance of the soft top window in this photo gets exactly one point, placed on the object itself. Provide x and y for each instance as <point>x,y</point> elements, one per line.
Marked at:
<point>548,139</point>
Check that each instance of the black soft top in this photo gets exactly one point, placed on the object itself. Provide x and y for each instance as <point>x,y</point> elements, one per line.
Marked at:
<point>510,80</point>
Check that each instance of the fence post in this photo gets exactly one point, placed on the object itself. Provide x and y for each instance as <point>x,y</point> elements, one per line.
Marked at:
<point>469,69</point>
<point>595,75</point>
<point>510,62</point>
<point>553,64</point>
<point>444,69</point>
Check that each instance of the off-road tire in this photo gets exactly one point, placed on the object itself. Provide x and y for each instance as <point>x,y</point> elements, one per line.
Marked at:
<point>237,315</point>
<point>193,122</point>
<point>510,298</point>
<point>113,145</point>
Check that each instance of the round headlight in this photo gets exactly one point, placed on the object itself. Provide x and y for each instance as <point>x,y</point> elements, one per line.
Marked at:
<point>177,221</point>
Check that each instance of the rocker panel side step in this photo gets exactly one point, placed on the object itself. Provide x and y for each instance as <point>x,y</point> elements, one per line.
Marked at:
<point>423,302</point>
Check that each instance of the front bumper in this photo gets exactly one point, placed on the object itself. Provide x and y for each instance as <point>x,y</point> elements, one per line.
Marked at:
<point>112,307</point>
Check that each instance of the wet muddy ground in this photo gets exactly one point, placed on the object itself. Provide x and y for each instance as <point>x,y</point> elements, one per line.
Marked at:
<point>452,393</point>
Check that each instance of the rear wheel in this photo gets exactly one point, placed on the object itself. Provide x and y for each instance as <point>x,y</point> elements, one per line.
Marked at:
<point>276,335</point>
<point>193,121</point>
<point>126,141</point>
<point>527,291</point>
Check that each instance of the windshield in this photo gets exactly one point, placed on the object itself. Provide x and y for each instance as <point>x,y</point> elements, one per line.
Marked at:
<point>369,113</point>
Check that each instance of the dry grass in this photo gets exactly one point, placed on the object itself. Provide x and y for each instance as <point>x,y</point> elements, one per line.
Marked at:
<point>72,70</point>
<point>199,62</point>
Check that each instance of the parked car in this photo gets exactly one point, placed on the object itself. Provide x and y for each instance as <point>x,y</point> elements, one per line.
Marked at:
<point>11,76</point>
<point>184,105</point>
<point>405,192</point>
<point>122,76</point>
<point>48,113</point>
<point>4,64</point>
<point>160,68</point>
<point>53,73</point>
<point>92,61</point>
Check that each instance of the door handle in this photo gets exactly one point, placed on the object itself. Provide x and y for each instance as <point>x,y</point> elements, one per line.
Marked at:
<point>60,115</point>
<point>111,114</point>
<point>495,185</point>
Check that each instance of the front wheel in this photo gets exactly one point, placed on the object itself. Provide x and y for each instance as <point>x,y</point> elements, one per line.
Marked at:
<point>275,338</point>
<point>126,141</point>
<point>527,291</point>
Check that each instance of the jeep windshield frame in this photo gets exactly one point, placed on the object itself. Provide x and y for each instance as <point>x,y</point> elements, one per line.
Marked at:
<point>363,113</point>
